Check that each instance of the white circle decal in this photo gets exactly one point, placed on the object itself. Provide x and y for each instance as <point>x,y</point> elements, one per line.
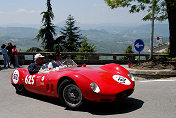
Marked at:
<point>15,77</point>
<point>121,79</point>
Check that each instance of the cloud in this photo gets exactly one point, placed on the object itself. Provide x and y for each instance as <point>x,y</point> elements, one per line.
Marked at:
<point>28,11</point>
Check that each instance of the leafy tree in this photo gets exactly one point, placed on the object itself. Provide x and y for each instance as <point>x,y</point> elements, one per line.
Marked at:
<point>164,9</point>
<point>72,35</point>
<point>47,30</point>
<point>129,49</point>
<point>86,47</point>
<point>141,5</point>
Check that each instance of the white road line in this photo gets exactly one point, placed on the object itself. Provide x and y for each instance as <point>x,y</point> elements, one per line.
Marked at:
<point>161,80</point>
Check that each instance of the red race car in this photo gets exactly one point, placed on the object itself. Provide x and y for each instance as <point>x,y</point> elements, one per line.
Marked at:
<point>73,85</point>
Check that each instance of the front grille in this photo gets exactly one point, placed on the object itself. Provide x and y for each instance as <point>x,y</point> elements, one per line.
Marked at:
<point>124,94</point>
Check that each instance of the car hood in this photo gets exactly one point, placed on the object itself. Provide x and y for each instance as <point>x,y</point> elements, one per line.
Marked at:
<point>104,78</point>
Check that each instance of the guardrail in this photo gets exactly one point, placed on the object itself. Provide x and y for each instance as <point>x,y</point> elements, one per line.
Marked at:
<point>92,58</point>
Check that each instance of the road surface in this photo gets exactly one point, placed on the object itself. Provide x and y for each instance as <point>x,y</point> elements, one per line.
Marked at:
<point>151,99</point>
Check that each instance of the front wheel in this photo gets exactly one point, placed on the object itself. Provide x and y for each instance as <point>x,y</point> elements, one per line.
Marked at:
<point>70,94</point>
<point>20,89</point>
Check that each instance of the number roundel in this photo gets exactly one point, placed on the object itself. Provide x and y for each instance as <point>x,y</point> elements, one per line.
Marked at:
<point>121,80</point>
<point>15,76</point>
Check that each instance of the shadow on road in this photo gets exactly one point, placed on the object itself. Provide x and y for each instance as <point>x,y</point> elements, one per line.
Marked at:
<point>51,100</point>
<point>120,107</point>
<point>125,106</point>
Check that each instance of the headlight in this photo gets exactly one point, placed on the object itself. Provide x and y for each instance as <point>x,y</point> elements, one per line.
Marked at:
<point>95,87</point>
<point>131,76</point>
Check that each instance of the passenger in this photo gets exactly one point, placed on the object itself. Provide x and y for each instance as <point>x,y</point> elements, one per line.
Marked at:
<point>35,67</point>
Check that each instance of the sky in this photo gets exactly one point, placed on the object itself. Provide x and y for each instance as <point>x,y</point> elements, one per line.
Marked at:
<point>84,12</point>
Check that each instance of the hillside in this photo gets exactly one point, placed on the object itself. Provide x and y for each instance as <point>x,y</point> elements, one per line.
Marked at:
<point>109,39</point>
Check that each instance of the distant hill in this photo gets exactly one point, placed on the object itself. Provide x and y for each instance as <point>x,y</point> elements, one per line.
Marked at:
<point>18,32</point>
<point>20,36</point>
<point>107,38</point>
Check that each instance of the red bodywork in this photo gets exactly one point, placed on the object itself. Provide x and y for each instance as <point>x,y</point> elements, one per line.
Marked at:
<point>47,83</point>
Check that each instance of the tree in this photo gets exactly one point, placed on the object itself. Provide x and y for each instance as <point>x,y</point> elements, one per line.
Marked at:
<point>34,49</point>
<point>171,8</point>
<point>127,51</point>
<point>85,47</point>
<point>47,30</point>
<point>59,44</point>
<point>141,5</point>
<point>164,9</point>
<point>72,35</point>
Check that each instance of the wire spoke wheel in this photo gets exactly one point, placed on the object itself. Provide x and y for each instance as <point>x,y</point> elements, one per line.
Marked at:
<point>72,95</point>
<point>20,89</point>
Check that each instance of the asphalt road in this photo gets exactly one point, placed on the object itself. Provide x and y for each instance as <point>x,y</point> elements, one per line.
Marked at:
<point>151,99</point>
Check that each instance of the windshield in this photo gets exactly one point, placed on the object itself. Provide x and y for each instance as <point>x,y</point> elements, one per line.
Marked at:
<point>57,65</point>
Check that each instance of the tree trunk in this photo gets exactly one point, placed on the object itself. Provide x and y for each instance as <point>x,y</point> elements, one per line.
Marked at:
<point>171,8</point>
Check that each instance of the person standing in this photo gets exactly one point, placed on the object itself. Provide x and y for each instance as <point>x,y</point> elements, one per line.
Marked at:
<point>5,56</point>
<point>9,52</point>
<point>15,54</point>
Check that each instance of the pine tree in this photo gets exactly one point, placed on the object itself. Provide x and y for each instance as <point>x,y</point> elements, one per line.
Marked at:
<point>47,30</point>
<point>72,35</point>
<point>85,47</point>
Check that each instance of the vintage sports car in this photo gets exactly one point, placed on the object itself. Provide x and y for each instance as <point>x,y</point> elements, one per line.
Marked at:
<point>74,85</point>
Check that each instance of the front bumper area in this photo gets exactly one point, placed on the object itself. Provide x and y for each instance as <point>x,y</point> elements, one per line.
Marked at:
<point>111,98</point>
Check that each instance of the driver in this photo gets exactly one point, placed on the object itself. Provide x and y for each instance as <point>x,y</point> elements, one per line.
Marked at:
<point>35,67</point>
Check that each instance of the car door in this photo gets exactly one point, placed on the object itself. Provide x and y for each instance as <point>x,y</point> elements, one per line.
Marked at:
<point>36,83</point>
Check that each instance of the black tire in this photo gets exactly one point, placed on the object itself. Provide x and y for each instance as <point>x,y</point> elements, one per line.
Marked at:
<point>20,89</point>
<point>70,94</point>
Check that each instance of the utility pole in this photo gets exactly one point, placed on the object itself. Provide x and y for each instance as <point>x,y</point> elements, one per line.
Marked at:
<point>152,34</point>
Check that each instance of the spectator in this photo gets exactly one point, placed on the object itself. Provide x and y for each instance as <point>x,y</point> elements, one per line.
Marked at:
<point>9,52</point>
<point>15,54</point>
<point>5,56</point>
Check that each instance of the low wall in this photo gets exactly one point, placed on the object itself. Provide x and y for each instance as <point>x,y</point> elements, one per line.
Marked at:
<point>26,58</point>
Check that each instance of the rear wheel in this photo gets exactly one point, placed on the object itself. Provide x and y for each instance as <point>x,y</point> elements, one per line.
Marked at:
<point>20,89</point>
<point>70,94</point>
